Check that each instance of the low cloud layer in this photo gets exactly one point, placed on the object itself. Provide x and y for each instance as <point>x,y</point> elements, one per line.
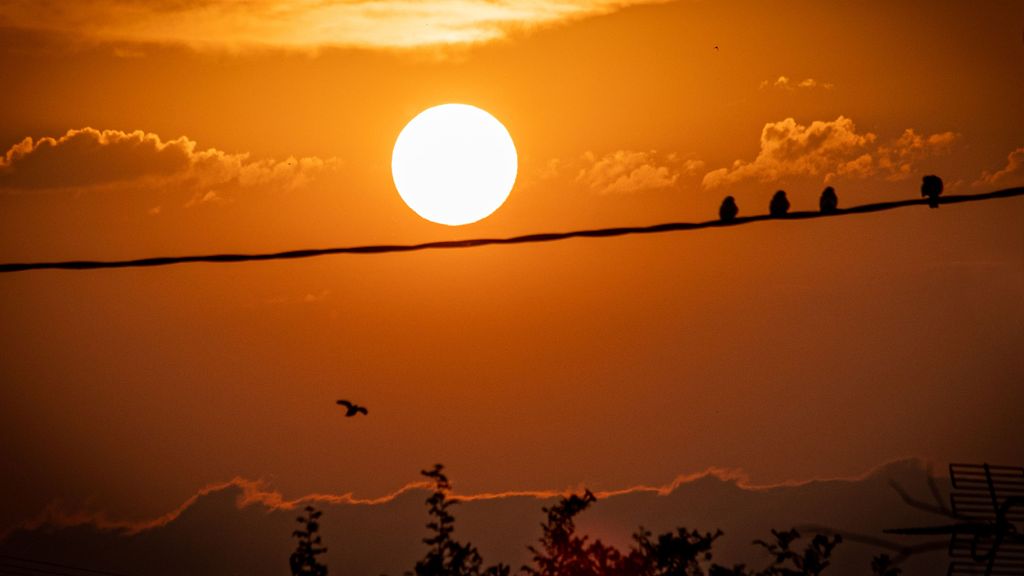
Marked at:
<point>91,159</point>
<point>1012,172</point>
<point>896,160</point>
<point>830,149</point>
<point>298,23</point>
<point>244,527</point>
<point>786,83</point>
<point>629,171</point>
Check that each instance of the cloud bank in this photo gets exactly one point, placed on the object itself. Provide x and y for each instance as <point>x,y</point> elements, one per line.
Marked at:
<point>90,159</point>
<point>628,171</point>
<point>244,527</point>
<point>299,24</point>
<point>785,83</point>
<point>1014,170</point>
<point>830,149</point>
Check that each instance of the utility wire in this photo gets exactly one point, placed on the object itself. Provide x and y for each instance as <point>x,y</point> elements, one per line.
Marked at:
<point>472,243</point>
<point>21,570</point>
<point>7,561</point>
<point>4,571</point>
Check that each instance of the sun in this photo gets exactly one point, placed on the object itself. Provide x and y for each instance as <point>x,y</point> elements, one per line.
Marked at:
<point>454,164</point>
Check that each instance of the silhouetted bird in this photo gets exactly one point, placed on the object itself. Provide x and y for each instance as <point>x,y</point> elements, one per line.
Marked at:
<point>931,187</point>
<point>779,204</point>
<point>728,210</point>
<point>352,409</point>
<point>828,202</point>
<point>716,47</point>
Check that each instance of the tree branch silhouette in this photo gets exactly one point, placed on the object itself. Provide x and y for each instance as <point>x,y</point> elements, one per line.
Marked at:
<point>902,552</point>
<point>447,556</point>
<point>303,562</point>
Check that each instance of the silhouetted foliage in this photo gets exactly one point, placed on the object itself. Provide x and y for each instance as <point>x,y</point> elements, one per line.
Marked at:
<point>303,561</point>
<point>728,210</point>
<point>675,554</point>
<point>446,556</point>
<point>562,553</point>
<point>931,188</point>
<point>779,205</point>
<point>788,562</point>
<point>882,565</point>
<point>828,202</point>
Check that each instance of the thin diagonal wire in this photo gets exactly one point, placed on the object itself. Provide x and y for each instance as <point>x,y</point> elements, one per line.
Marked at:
<point>475,242</point>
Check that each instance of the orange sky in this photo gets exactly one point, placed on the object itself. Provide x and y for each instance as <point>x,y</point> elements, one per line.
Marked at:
<point>789,350</point>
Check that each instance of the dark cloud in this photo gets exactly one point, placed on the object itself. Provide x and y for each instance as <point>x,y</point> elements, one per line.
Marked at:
<point>242,527</point>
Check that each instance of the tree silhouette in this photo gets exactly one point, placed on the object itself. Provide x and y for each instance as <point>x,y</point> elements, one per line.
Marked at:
<point>303,561</point>
<point>446,556</point>
<point>788,562</point>
<point>562,553</point>
<point>883,565</point>
<point>676,554</point>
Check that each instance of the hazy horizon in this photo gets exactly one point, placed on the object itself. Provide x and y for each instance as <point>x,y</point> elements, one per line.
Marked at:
<point>790,349</point>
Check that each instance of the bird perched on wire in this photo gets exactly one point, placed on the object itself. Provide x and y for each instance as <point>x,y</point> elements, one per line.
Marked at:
<point>828,202</point>
<point>779,204</point>
<point>931,188</point>
<point>352,409</point>
<point>728,210</point>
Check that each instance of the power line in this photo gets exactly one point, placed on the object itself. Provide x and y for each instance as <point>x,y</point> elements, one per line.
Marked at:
<point>7,562</point>
<point>475,242</point>
<point>7,569</point>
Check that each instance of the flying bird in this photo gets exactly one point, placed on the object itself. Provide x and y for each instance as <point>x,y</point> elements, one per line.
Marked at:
<point>352,409</point>
<point>779,204</point>
<point>931,187</point>
<point>728,210</point>
<point>828,202</point>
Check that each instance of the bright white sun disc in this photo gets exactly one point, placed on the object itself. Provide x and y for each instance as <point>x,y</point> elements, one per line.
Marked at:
<point>454,164</point>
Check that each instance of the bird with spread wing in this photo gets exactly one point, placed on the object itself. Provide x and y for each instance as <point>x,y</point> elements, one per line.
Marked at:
<point>352,409</point>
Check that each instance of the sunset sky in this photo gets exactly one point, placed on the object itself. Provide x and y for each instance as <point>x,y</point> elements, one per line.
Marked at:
<point>786,351</point>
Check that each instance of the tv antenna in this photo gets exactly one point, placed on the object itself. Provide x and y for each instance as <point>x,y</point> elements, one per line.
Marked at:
<point>987,503</point>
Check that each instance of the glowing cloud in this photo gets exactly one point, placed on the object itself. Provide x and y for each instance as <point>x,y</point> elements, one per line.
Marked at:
<point>786,83</point>
<point>831,149</point>
<point>627,171</point>
<point>91,158</point>
<point>1013,171</point>
<point>301,24</point>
